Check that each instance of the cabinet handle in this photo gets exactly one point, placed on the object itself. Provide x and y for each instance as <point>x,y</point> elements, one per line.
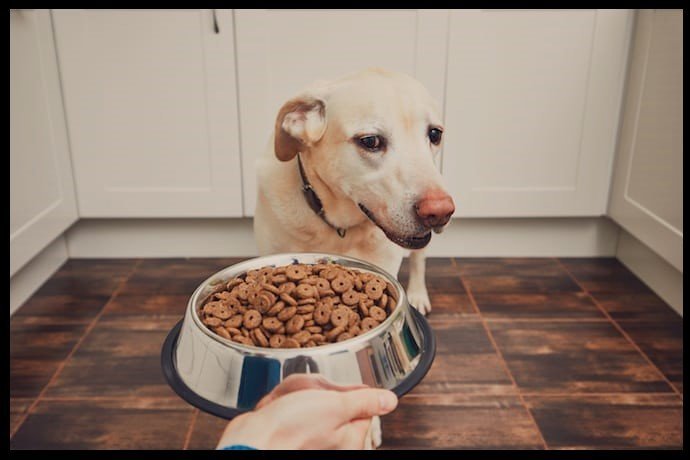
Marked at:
<point>215,23</point>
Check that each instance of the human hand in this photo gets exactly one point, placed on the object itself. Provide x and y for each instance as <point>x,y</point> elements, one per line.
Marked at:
<point>309,412</point>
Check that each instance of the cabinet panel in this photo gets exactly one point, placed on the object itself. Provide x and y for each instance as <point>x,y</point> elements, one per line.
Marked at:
<point>151,105</point>
<point>531,110</point>
<point>42,203</point>
<point>647,189</point>
<point>280,52</point>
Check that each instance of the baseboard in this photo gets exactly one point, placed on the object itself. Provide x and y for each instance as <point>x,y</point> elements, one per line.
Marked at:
<point>32,275</point>
<point>659,275</point>
<point>524,237</point>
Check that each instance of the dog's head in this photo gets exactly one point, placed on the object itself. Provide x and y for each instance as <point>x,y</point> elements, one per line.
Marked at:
<point>373,137</point>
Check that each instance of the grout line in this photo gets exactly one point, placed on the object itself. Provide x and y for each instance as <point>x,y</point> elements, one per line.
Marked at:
<point>462,281</point>
<point>88,329</point>
<point>188,436</point>
<point>618,327</point>
<point>502,359</point>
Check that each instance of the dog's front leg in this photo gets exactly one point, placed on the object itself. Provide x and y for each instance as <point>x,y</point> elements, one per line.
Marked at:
<point>417,294</point>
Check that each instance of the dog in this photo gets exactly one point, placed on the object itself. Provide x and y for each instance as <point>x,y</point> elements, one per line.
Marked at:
<point>350,170</point>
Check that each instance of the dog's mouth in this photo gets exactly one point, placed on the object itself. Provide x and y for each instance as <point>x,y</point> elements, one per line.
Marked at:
<point>407,242</point>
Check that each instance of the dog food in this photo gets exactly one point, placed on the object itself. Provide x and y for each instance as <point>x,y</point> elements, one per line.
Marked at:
<point>298,305</point>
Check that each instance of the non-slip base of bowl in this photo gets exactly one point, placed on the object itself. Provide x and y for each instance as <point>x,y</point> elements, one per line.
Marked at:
<point>172,377</point>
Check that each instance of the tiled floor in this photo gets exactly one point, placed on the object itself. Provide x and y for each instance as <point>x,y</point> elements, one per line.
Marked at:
<point>532,354</point>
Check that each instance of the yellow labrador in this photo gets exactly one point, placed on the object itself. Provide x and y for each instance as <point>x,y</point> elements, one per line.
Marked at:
<point>350,170</point>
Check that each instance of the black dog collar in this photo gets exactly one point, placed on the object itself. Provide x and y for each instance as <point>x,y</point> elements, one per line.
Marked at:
<point>314,201</point>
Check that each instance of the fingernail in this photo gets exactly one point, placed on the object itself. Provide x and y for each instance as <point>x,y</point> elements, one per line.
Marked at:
<point>388,401</point>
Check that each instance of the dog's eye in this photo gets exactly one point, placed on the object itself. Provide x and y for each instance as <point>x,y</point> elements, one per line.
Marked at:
<point>435,136</point>
<point>372,143</point>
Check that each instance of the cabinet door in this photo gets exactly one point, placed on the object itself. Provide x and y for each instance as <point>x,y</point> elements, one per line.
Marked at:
<point>533,99</point>
<point>150,98</point>
<point>42,203</point>
<point>647,190</point>
<point>280,52</point>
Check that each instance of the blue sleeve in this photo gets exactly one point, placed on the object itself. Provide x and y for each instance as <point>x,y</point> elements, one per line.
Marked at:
<point>238,447</point>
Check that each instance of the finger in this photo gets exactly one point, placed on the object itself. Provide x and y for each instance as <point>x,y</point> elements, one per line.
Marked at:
<point>353,436</point>
<point>297,382</point>
<point>366,403</point>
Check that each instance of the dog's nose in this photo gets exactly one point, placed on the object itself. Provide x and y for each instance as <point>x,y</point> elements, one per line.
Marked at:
<point>435,208</point>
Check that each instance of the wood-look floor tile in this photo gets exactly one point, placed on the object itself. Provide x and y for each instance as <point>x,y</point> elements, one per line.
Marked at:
<point>119,357</point>
<point>639,306</point>
<point>207,431</point>
<point>557,357</point>
<point>662,342</point>
<point>609,422</point>
<point>89,424</point>
<point>433,266</point>
<point>459,422</point>
<point>559,305</point>
<point>604,274</point>
<point>37,349</point>
<point>173,276</point>
<point>446,292</point>
<point>465,362</point>
<point>80,277</point>
<point>18,407</point>
<point>28,377</point>
<point>515,276</point>
<point>62,308</point>
<point>148,305</point>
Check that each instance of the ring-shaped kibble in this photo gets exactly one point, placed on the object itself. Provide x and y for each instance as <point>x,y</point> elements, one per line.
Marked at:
<point>291,343</point>
<point>322,314</point>
<point>392,303</point>
<point>272,324</point>
<point>355,330</point>
<point>233,282</point>
<point>354,319</point>
<point>335,332</point>
<point>340,316</point>
<point>265,301</point>
<point>302,337</point>
<point>363,308</point>
<point>232,303</point>
<point>368,324</point>
<point>294,324</point>
<point>270,288</point>
<point>304,309</point>
<point>305,291</point>
<point>287,288</point>
<point>390,290</point>
<point>234,321</point>
<point>212,321</point>
<point>288,299</point>
<point>296,272</point>
<point>259,337</point>
<point>350,297</point>
<point>222,332</point>
<point>279,279</point>
<point>209,308</point>
<point>374,289</point>
<point>243,340</point>
<point>221,311</point>
<point>287,313</point>
<point>276,340</point>
<point>377,313</point>
<point>322,285</point>
<point>277,308</point>
<point>343,336</point>
<point>341,284</point>
<point>242,291</point>
<point>252,319</point>
<point>318,338</point>
<point>330,273</point>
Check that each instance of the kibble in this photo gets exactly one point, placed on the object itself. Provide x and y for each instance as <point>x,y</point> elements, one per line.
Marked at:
<point>298,305</point>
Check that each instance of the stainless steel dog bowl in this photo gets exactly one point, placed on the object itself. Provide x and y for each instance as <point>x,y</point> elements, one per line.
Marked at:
<point>226,378</point>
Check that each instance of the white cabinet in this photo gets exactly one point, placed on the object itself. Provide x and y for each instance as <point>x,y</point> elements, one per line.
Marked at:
<point>280,52</point>
<point>42,203</point>
<point>150,101</point>
<point>647,188</point>
<point>532,106</point>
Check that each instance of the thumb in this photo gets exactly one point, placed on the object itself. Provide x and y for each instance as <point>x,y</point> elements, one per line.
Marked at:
<point>368,402</point>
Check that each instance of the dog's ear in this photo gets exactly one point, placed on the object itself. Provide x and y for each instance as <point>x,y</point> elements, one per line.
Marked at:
<point>300,123</point>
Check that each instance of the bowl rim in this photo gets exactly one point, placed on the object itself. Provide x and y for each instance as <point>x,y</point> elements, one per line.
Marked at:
<point>250,264</point>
